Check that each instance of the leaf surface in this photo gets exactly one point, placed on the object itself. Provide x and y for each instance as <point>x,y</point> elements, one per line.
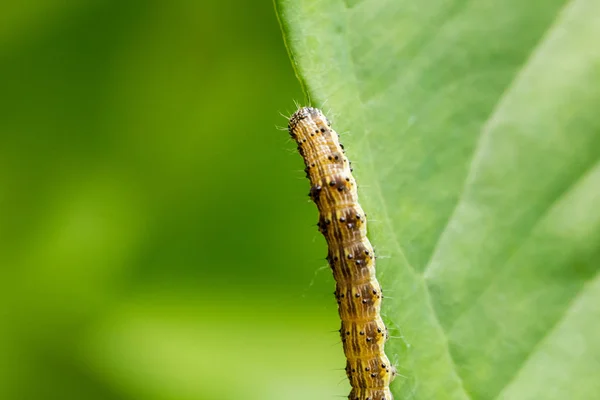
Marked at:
<point>474,133</point>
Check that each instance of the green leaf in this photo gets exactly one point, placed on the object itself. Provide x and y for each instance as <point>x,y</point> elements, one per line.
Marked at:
<point>475,135</point>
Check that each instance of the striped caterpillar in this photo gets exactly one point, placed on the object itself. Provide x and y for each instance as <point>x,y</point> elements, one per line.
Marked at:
<point>344,225</point>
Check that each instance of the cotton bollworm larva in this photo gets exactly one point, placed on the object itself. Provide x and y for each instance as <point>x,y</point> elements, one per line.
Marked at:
<point>351,258</point>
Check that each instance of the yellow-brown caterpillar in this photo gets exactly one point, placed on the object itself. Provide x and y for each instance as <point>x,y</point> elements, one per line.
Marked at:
<point>344,225</point>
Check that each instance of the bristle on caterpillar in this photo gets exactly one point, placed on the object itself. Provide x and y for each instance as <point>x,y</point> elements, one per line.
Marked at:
<point>351,258</point>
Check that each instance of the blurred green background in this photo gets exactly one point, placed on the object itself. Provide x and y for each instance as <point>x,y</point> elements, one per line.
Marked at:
<point>156,240</point>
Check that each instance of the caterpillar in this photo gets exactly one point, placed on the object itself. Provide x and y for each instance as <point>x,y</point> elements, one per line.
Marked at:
<point>350,255</point>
